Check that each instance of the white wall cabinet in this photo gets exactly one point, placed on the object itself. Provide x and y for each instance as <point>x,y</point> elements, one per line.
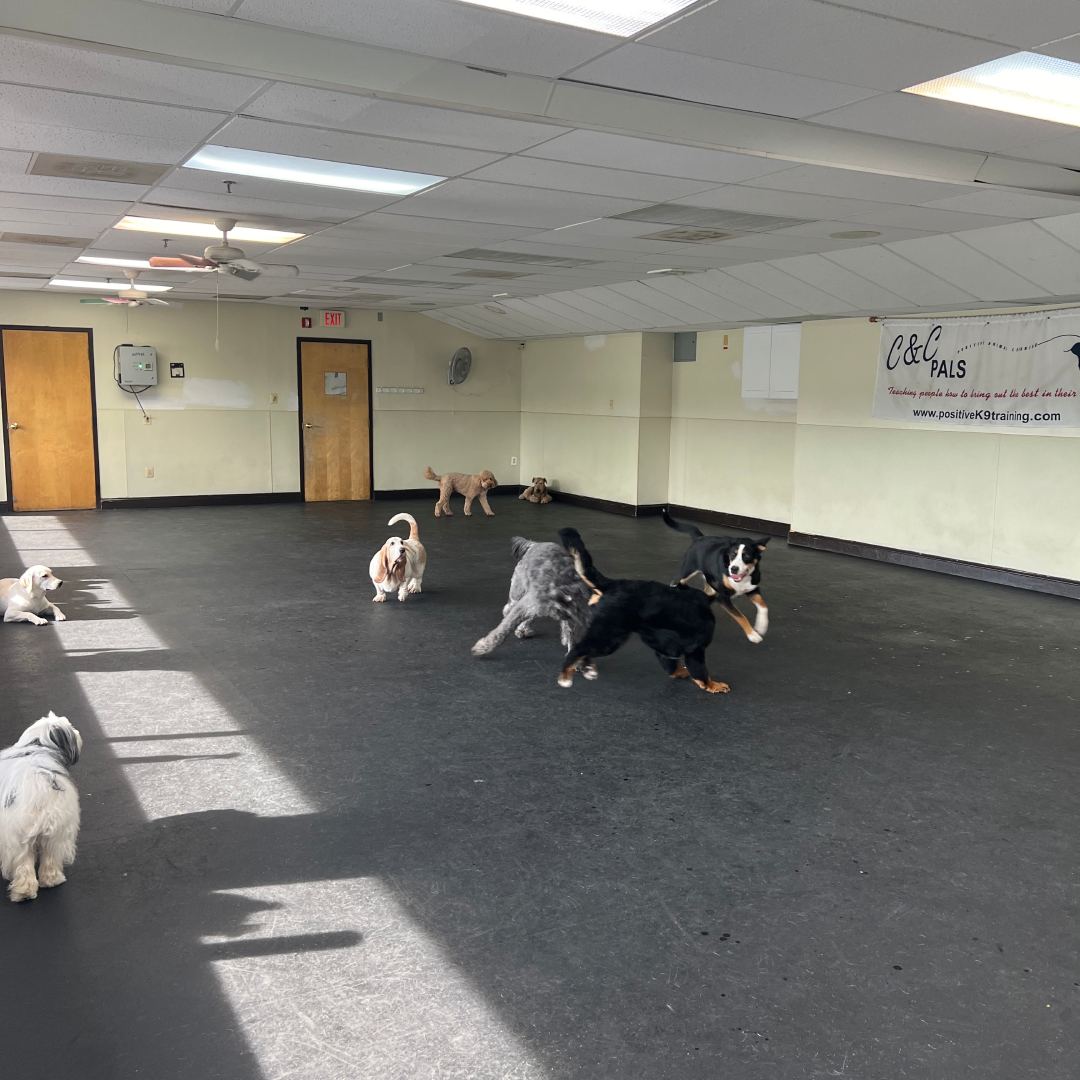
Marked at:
<point>770,361</point>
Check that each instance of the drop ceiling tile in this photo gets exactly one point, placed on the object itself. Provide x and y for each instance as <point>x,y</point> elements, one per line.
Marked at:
<point>488,39</point>
<point>745,295</point>
<point>560,314</point>
<point>1009,204</point>
<point>213,7</point>
<point>674,309</point>
<point>758,200</point>
<point>850,184</point>
<point>931,219</point>
<point>853,289</point>
<point>588,179</point>
<point>688,291</point>
<point>1067,48</point>
<point>996,20</point>
<point>825,42</point>
<point>594,311</point>
<point>59,203</point>
<point>222,203</point>
<point>956,261</point>
<point>704,79</point>
<point>55,222</point>
<point>13,183</point>
<point>626,309</point>
<point>790,289</point>
<point>1033,253</point>
<point>399,227</point>
<point>478,200</point>
<point>374,116</point>
<point>276,138</point>
<point>60,139</point>
<point>890,271</point>
<point>1064,151</point>
<point>1066,229</point>
<point>30,255</point>
<point>58,67</point>
<point>941,123</point>
<point>652,156</point>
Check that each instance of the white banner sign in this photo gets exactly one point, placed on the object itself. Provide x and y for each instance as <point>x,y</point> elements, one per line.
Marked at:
<point>1008,371</point>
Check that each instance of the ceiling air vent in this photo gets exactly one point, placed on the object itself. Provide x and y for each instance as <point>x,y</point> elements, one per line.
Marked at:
<point>48,241</point>
<point>84,168</point>
<point>689,236</point>
<point>408,283</point>
<point>490,255</point>
<point>491,275</point>
<point>705,217</point>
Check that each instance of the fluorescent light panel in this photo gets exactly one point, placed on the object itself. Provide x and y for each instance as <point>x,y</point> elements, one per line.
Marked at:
<point>107,286</point>
<point>311,171</point>
<point>624,18</point>
<point>1026,84</point>
<point>177,227</point>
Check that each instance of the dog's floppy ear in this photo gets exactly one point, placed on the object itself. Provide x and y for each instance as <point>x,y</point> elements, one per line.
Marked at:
<point>30,577</point>
<point>761,544</point>
<point>65,738</point>
<point>384,565</point>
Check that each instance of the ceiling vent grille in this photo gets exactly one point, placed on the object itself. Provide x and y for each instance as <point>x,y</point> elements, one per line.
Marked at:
<point>704,217</point>
<point>521,257</point>
<point>47,241</point>
<point>84,168</point>
<point>407,283</point>
<point>689,236</point>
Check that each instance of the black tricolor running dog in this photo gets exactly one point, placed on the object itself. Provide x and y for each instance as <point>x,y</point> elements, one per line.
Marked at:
<point>732,567</point>
<point>676,622</point>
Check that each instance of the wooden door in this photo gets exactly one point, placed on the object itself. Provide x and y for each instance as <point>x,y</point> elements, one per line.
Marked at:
<point>335,419</point>
<point>49,419</point>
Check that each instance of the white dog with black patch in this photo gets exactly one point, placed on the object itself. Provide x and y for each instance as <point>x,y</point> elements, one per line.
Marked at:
<point>23,598</point>
<point>39,806</point>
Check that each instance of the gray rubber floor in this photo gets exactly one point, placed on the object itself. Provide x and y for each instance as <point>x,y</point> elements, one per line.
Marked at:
<point>321,840</point>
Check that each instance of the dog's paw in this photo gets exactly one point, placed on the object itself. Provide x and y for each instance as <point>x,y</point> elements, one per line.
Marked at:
<point>50,877</point>
<point>590,672</point>
<point>37,620</point>
<point>481,648</point>
<point>489,513</point>
<point>754,638</point>
<point>566,680</point>
<point>24,886</point>
<point>714,687</point>
<point>524,631</point>
<point>58,615</point>
<point>379,598</point>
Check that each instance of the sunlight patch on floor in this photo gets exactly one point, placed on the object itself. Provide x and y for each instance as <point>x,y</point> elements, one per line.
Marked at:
<point>359,989</point>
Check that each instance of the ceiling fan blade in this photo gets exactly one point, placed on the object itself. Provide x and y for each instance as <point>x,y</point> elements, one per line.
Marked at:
<point>92,300</point>
<point>242,268</point>
<point>155,300</point>
<point>182,262</point>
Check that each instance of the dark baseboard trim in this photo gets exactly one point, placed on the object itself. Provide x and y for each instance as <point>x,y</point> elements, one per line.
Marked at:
<point>749,525</point>
<point>5,506</point>
<point>608,506</point>
<point>431,492</point>
<point>155,501</point>
<point>997,575</point>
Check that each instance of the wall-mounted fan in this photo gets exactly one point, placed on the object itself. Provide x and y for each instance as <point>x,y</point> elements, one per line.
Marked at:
<point>460,366</point>
<point>223,257</point>
<point>130,297</point>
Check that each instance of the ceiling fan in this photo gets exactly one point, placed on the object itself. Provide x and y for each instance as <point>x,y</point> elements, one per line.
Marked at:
<point>129,297</point>
<point>223,257</point>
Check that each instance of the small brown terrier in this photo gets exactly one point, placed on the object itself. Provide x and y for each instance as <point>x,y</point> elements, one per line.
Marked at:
<point>471,485</point>
<point>537,491</point>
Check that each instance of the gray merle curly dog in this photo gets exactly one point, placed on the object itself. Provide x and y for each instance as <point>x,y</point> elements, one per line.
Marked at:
<point>545,585</point>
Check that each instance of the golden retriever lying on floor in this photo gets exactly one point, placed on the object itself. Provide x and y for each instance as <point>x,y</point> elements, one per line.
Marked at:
<point>471,485</point>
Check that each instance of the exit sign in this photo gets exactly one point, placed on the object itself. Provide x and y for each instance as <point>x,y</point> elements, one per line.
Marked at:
<point>333,318</point>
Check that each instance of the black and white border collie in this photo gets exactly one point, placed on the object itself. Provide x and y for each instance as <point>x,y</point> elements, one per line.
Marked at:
<point>732,567</point>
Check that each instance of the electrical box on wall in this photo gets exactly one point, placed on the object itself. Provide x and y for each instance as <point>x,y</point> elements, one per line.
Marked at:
<point>684,349</point>
<point>136,365</point>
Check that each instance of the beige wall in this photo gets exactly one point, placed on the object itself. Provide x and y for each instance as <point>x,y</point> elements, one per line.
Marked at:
<point>580,414</point>
<point>999,498</point>
<point>218,432</point>
<point>728,453</point>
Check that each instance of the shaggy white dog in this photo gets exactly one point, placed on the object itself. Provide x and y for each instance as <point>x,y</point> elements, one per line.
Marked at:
<point>39,806</point>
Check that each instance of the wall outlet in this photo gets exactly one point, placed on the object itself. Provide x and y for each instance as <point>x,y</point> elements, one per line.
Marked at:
<point>149,472</point>
<point>513,461</point>
<point>273,399</point>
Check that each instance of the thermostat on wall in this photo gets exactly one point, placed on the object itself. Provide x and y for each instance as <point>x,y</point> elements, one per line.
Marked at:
<point>136,365</point>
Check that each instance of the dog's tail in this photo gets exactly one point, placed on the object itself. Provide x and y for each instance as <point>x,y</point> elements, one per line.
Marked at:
<point>414,529</point>
<point>519,545</point>
<point>430,474</point>
<point>671,523</point>
<point>571,540</point>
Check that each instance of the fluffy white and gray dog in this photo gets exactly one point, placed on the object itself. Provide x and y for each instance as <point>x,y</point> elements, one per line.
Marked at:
<point>39,806</point>
<point>545,585</point>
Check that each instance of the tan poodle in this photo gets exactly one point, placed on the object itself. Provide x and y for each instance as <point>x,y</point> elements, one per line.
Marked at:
<point>471,485</point>
<point>537,491</point>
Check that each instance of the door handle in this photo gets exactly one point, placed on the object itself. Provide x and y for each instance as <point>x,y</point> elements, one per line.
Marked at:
<point>13,425</point>
<point>306,424</point>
